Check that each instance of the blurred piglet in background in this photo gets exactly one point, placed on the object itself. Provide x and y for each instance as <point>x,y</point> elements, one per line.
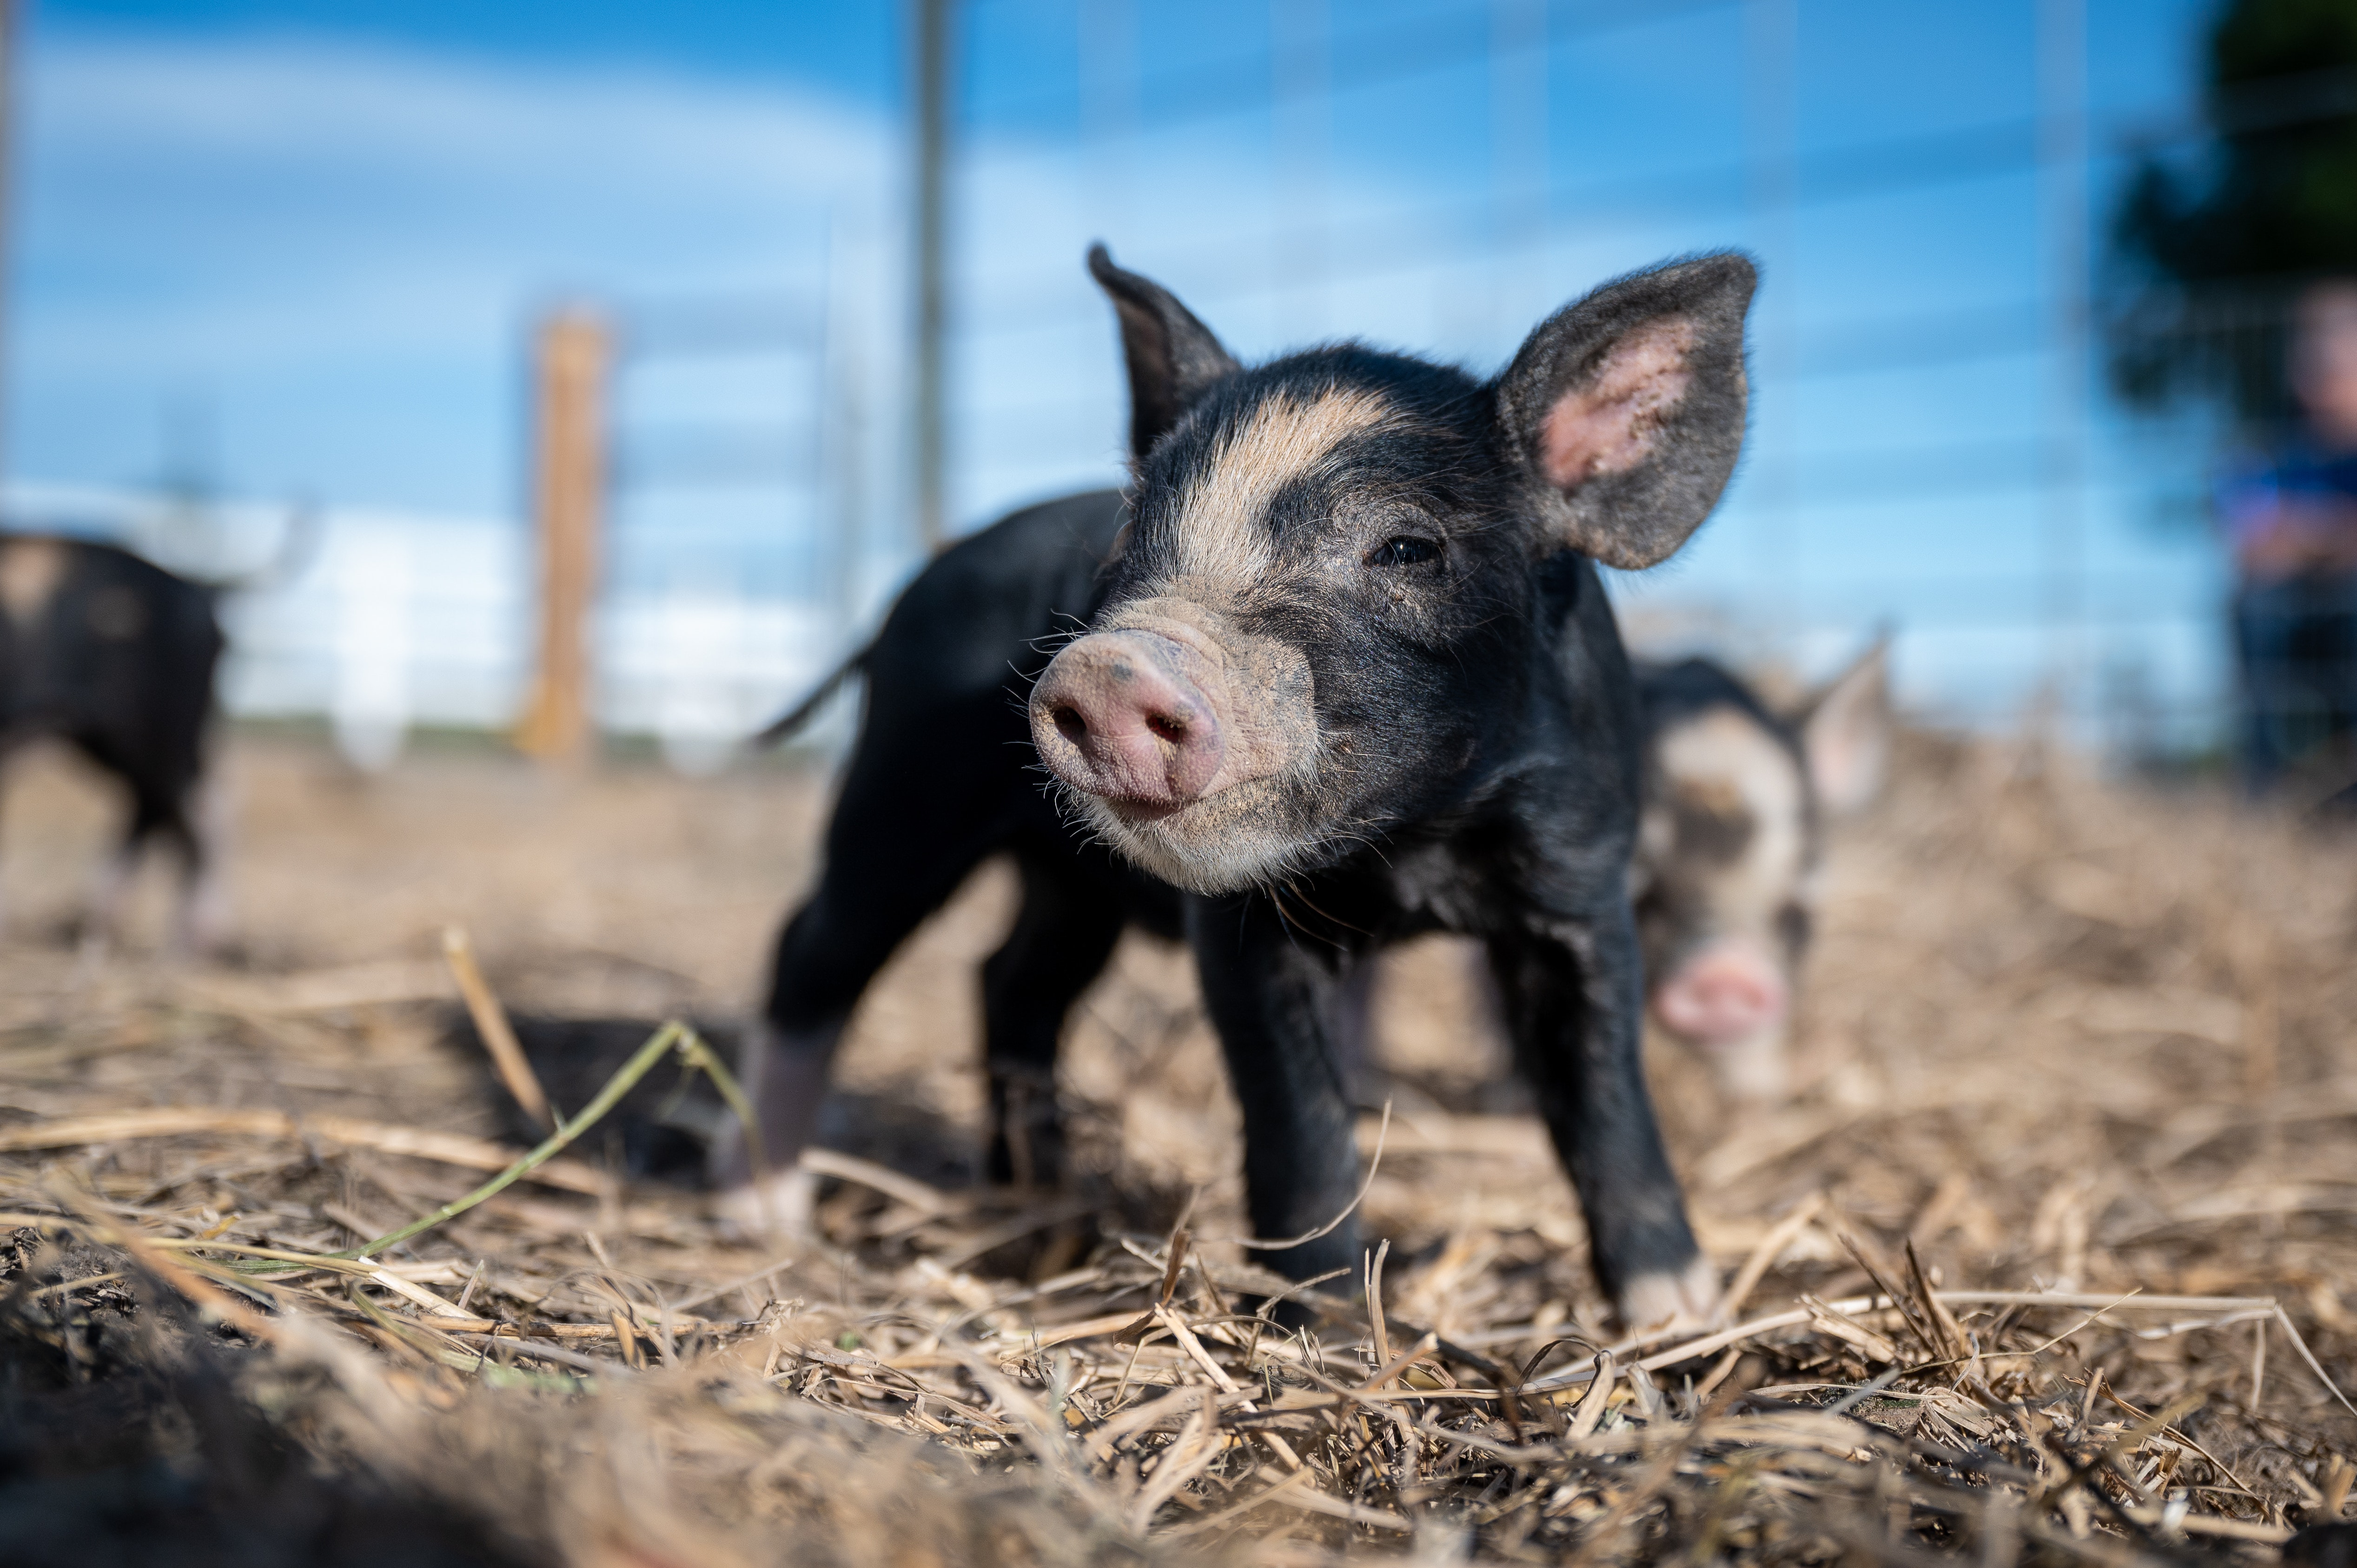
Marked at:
<point>114,656</point>
<point>1738,796</point>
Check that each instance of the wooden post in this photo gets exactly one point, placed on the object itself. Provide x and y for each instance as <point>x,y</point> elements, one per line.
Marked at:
<point>10,18</point>
<point>928,189</point>
<point>570,356</point>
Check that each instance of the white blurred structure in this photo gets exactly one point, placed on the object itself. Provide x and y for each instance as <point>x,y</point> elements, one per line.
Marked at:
<point>703,668</point>
<point>375,598</point>
<point>383,621</point>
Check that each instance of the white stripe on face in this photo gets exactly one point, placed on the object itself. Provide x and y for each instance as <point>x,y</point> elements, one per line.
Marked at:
<point>1221,536</point>
<point>1724,763</point>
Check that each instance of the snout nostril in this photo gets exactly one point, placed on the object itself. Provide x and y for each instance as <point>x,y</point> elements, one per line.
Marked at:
<point>1119,715</point>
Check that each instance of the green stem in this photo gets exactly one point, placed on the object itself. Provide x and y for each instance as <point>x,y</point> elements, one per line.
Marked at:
<point>697,1054</point>
<point>660,1043</point>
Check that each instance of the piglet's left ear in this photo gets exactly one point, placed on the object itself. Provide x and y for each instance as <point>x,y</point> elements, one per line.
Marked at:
<point>1847,730</point>
<point>1628,407</point>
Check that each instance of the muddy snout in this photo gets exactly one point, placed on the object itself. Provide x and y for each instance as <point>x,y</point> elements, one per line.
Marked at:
<point>1119,714</point>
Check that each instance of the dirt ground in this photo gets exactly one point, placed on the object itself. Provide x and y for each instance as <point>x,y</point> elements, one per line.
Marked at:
<point>2058,1035</point>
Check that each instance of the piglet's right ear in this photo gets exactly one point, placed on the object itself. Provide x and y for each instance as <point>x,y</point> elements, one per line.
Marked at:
<point>1628,407</point>
<point>1173,357</point>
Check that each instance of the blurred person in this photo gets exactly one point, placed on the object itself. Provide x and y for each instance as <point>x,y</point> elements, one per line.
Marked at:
<point>2291,521</point>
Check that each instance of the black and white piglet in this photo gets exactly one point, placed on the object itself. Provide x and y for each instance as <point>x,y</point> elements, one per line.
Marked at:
<point>1349,676</point>
<point>1738,796</point>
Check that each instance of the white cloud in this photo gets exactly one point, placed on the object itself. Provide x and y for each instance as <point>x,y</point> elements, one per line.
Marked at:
<point>284,197</point>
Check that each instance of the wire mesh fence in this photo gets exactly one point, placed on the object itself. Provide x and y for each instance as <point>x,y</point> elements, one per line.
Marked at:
<point>1934,446</point>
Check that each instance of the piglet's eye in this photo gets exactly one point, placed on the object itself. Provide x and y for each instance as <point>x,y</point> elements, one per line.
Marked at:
<point>1405,550</point>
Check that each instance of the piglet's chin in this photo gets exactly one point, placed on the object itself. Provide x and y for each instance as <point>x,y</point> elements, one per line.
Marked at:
<point>1757,1069</point>
<point>1223,842</point>
<point>1138,814</point>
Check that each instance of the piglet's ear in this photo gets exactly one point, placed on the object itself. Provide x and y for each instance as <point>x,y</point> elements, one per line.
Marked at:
<point>1628,407</point>
<point>1845,733</point>
<point>1173,357</point>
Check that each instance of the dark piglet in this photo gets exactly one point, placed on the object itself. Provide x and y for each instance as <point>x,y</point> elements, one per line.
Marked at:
<point>942,776</point>
<point>1738,796</point>
<point>1349,677</point>
<point>115,656</point>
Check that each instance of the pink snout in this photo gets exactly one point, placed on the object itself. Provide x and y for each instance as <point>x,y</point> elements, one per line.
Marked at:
<point>1724,994</point>
<point>1115,714</point>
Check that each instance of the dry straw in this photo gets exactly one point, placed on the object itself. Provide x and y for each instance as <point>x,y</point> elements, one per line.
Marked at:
<point>2071,1152</point>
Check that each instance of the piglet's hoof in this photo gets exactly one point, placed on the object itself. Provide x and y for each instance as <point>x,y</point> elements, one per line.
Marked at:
<point>1655,1302</point>
<point>775,1209</point>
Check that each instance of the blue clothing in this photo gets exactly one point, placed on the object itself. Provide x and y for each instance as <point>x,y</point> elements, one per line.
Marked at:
<point>2296,643</point>
<point>2295,635</point>
<point>2300,481</point>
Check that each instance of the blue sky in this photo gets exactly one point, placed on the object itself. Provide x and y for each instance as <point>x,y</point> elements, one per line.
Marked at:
<point>843,49</point>
<point>297,246</point>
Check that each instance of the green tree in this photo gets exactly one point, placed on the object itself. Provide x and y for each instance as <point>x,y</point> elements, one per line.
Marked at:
<point>2207,252</point>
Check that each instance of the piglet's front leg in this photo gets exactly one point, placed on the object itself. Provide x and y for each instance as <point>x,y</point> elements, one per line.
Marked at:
<point>1572,997</point>
<point>1274,1007</point>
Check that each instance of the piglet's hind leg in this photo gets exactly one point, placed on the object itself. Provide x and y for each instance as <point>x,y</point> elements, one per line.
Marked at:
<point>1063,938</point>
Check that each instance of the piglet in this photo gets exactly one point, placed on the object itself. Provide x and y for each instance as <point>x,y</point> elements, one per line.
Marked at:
<point>1738,797</point>
<point>1354,677</point>
<point>1348,676</point>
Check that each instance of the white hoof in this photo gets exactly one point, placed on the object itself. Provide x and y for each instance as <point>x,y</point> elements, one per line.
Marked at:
<point>780,1209</point>
<point>202,929</point>
<point>1658,1303</point>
